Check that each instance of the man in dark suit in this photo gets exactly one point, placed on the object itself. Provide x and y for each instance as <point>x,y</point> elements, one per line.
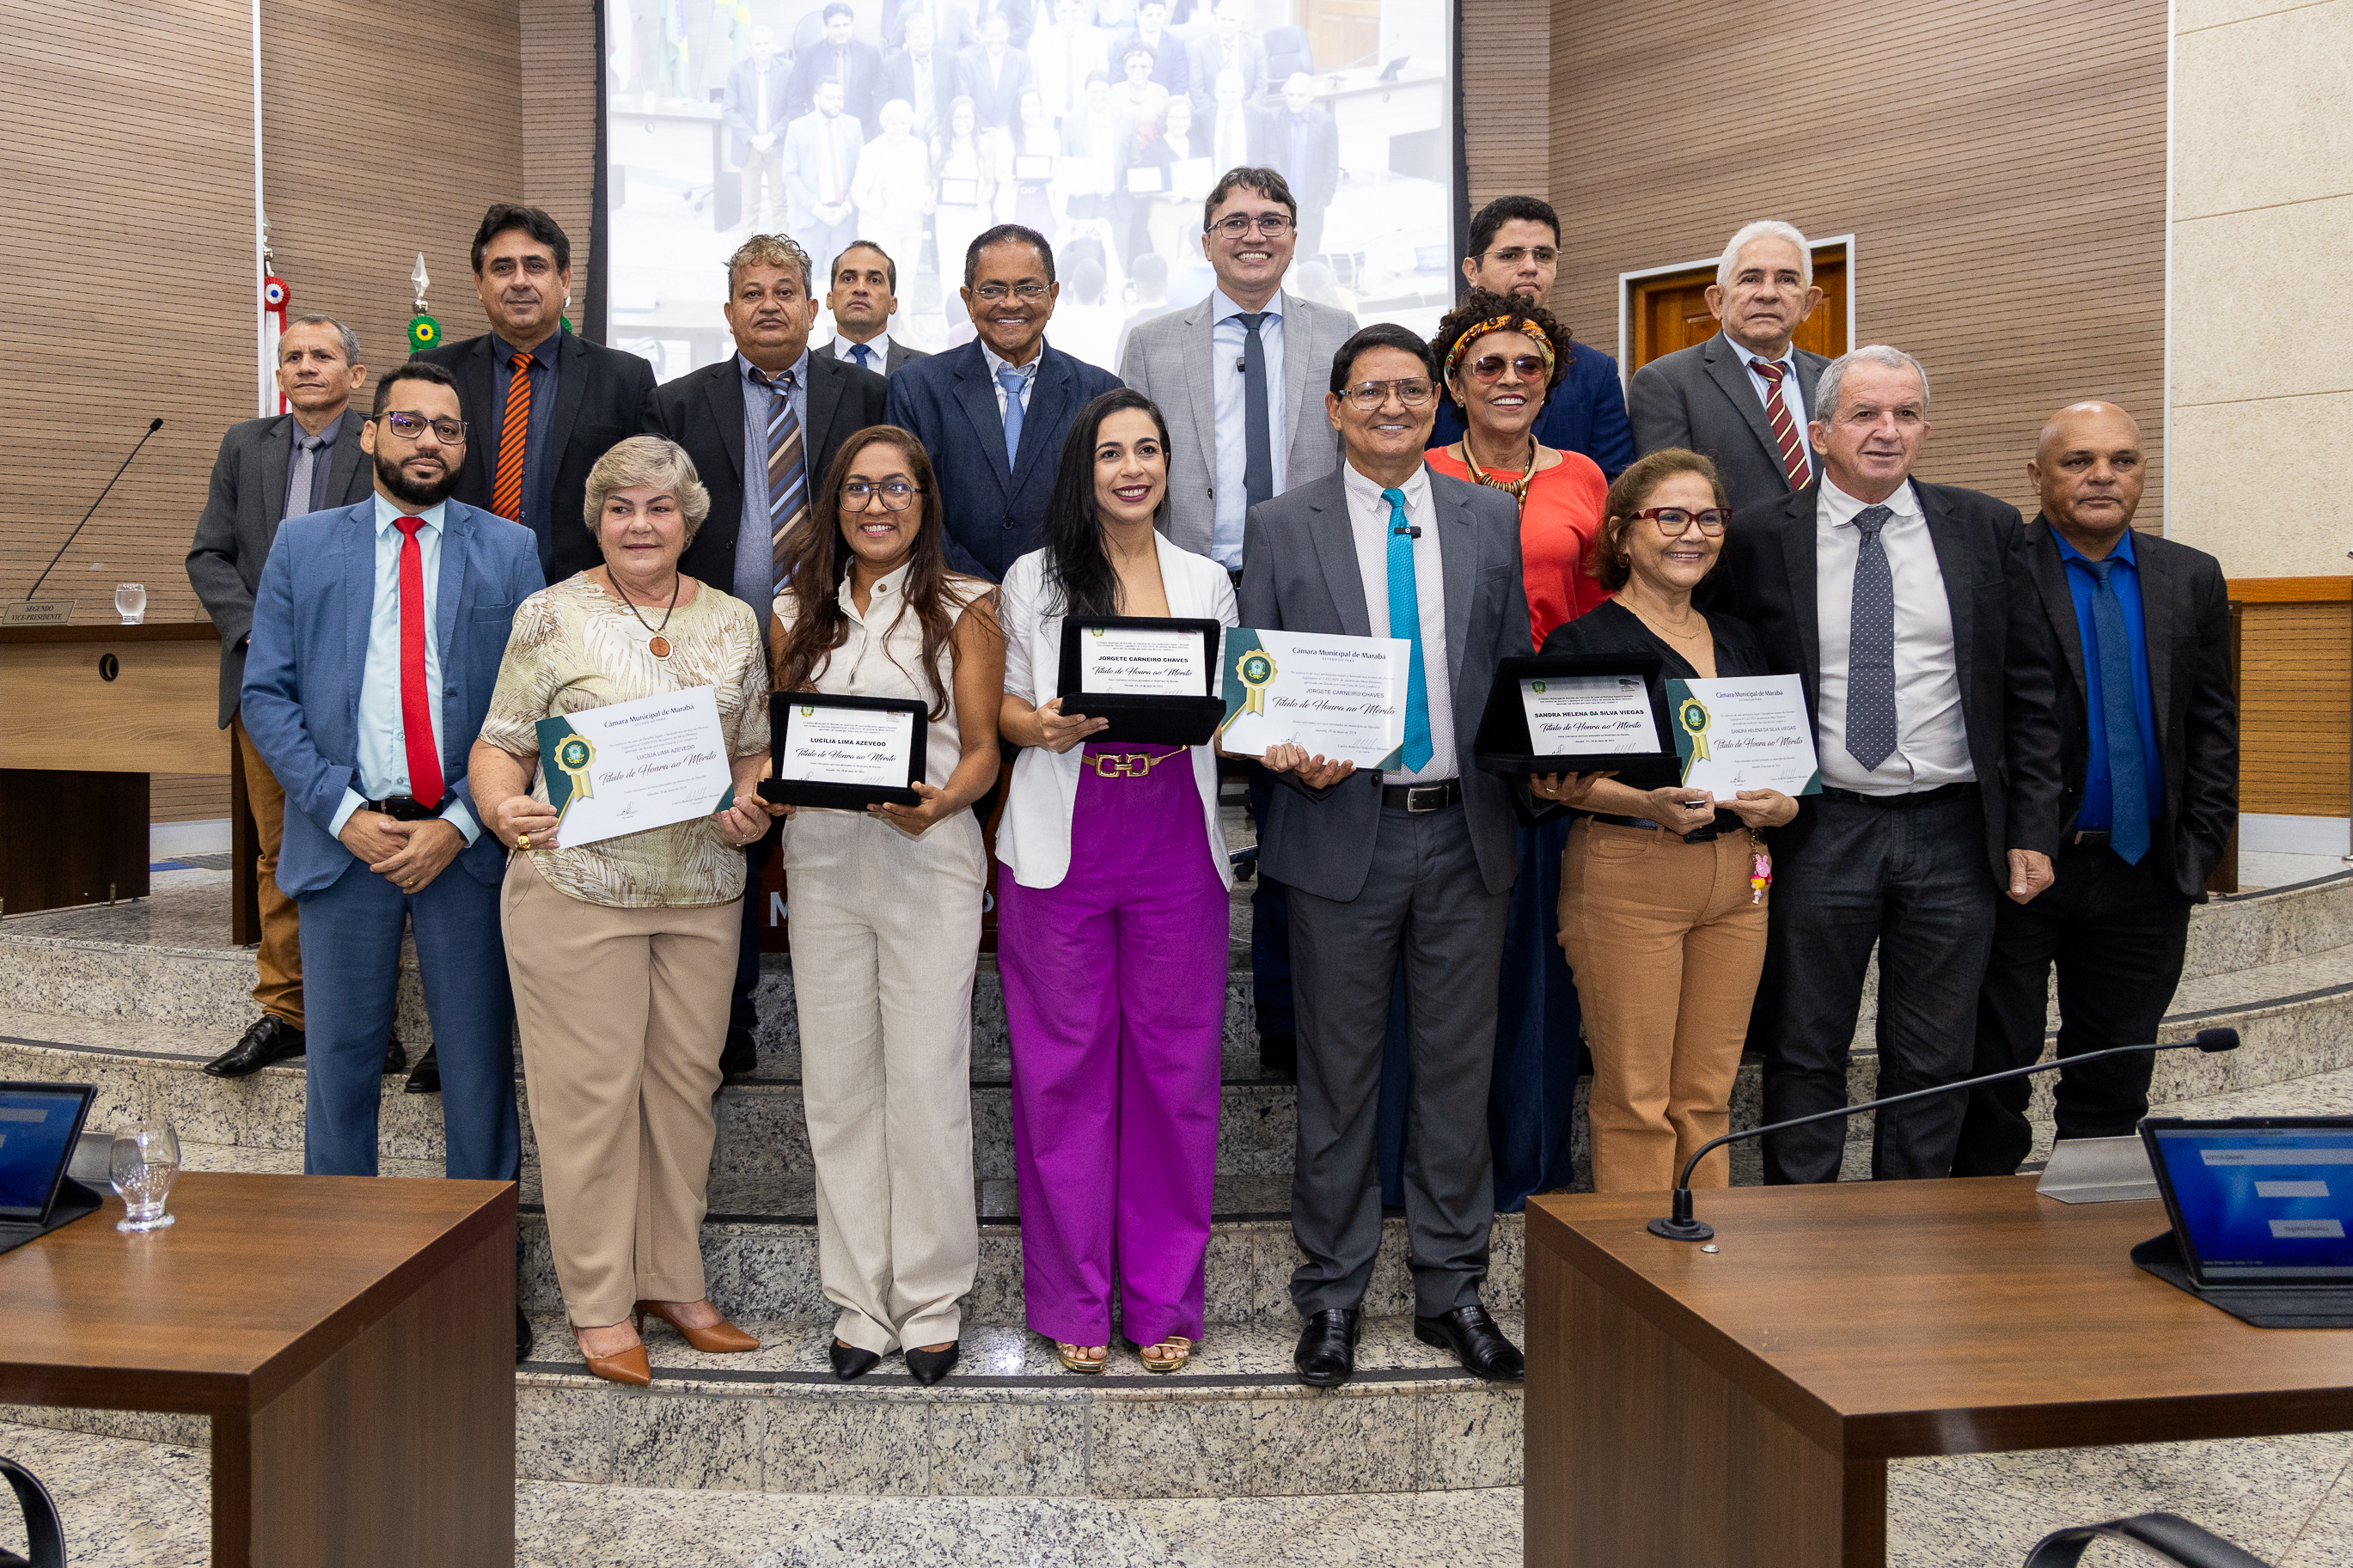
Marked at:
<point>994,75</point>
<point>1515,249</point>
<point>530,448</point>
<point>2149,750</point>
<point>757,109</point>
<point>839,56</point>
<point>1892,600</point>
<point>1302,143</point>
<point>1227,46</point>
<point>1743,397</point>
<point>763,425</point>
<point>863,297</point>
<point>269,470</point>
<point>923,76</point>
<point>1171,65</point>
<point>993,413</point>
<point>1415,862</point>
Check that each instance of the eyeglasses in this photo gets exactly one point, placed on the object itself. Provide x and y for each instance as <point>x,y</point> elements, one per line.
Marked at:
<point>1674,521</point>
<point>1490,367</point>
<point>1414,392</point>
<point>857,495</point>
<point>1513,255</point>
<point>995,293</point>
<point>1274,225</point>
<point>409,426</point>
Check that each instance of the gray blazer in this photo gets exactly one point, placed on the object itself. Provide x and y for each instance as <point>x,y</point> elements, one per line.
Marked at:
<point>1303,577</point>
<point>1169,360</point>
<point>240,521</point>
<point>1701,398</point>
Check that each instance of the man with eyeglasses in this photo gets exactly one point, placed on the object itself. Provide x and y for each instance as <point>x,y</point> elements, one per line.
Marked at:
<point>1515,249</point>
<point>1415,862</point>
<point>763,425</point>
<point>1249,356</point>
<point>992,414</point>
<point>378,633</point>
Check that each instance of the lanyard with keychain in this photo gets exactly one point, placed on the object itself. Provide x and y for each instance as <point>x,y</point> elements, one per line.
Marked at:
<point>1760,866</point>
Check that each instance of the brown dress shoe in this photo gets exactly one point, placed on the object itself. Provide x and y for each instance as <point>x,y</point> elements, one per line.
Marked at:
<point>721,1338</point>
<point>628,1366</point>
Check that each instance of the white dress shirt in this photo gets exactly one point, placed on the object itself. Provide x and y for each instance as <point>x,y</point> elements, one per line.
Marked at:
<point>1368,522</point>
<point>1794,393</point>
<point>1932,737</point>
<point>878,349</point>
<point>382,738</point>
<point>1226,340</point>
<point>1029,373</point>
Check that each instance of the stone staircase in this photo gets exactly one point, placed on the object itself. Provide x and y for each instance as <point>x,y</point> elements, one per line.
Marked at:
<point>134,997</point>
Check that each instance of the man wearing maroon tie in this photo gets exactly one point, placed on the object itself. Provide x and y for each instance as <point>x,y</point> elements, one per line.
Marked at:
<point>377,631</point>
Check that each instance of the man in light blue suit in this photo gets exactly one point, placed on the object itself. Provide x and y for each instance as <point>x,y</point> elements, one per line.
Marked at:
<point>378,633</point>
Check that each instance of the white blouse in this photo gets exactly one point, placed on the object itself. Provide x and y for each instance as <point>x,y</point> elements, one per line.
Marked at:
<point>1033,839</point>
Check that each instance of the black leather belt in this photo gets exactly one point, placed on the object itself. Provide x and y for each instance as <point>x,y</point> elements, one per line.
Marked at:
<point>2085,838</point>
<point>1936,796</point>
<point>1698,835</point>
<point>1418,798</point>
<point>402,808</point>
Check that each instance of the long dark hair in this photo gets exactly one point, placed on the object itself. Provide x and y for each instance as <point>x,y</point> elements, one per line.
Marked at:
<point>817,559</point>
<point>1077,567</point>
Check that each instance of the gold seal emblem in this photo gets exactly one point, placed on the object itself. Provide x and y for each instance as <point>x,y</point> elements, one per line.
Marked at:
<point>1692,714</point>
<point>1256,670</point>
<point>573,754</point>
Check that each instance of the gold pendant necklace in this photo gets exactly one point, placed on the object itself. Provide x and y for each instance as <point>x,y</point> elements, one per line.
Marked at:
<point>656,644</point>
<point>1516,488</point>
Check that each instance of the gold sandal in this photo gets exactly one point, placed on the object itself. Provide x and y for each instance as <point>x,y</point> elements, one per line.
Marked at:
<point>1077,1363</point>
<point>1169,1355</point>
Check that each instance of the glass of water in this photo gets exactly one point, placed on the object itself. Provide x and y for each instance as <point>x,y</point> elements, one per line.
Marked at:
<point>146,1162</point>
<point>130,602</point>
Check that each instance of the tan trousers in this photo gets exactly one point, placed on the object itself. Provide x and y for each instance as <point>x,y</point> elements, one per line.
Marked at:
<point>885,931</point>
<point>278,986</point>
<point>1665,944</point>
<point>622,1014</point>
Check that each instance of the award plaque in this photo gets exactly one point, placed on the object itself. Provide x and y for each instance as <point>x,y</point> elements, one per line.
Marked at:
<point>1154,678</point>
<point>1579,713</point>
<point>846,753</point>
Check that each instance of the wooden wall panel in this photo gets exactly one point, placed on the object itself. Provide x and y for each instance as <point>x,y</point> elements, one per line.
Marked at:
<point>186,797</point>
<point>2008,204</point>
<point>2295,690</point>
<point>559,121</point>
<point>1507,96</point>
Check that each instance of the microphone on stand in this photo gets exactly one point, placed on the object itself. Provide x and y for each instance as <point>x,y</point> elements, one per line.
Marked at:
<point>1681,1226</point>
<point>152,426</point>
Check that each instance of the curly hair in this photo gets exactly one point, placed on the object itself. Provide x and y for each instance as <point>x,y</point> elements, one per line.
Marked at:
<point>1512,314</point>
<point>771,250</point>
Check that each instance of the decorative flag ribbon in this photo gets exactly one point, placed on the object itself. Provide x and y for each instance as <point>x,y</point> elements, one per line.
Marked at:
<point>1692,714</point>
<point>273,298</point>
<point>1256,670</point>
<point>423,331</point>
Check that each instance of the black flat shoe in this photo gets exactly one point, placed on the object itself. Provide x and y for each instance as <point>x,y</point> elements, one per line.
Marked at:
<point>522,1336</point>
<point>927,1367</point>
<point>1326,1356</point>
<point>426,1078</point>
<point>396,1060</point>
<point>1279,1054</point>
<point>270,1039</point>
<point>740,1057</point>
<point>1476,1342</point>
<point>850,1361</point>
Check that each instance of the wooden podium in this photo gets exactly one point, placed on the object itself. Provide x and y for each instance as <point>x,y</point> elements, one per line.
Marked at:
<point>1737,1409</point>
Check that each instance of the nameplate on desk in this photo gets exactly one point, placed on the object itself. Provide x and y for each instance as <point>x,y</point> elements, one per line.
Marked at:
<point>38,613</point>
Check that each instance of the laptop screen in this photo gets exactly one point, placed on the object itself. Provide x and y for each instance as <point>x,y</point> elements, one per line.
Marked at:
<point>38,1123</point>
<point>2260,1204</point>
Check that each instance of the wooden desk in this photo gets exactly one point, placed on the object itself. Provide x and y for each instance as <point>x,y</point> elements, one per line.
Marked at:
<point>353,1340</point>
<point>1739,1408</point>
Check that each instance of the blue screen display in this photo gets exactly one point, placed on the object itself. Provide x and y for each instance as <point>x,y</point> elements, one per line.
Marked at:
<point>2260,1204</point>
<point>35,1131</point>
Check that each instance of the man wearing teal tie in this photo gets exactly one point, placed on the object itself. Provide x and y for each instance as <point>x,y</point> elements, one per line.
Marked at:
<point>1414,862</point>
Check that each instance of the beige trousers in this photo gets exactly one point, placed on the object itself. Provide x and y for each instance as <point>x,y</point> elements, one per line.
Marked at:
<point>622,1014</point>
<point>885,931</point>
<point>1665,942</point>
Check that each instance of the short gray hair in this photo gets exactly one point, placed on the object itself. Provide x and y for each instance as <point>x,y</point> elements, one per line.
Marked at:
<point>772,250</point>
<point>1824,402</point>
<point>655,460</point>
<point>1765,228</point>
<point>351,339</point>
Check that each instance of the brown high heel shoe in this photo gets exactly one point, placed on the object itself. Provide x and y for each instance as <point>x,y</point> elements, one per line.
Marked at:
<point>629,1366</point>
<point>721,1338</point>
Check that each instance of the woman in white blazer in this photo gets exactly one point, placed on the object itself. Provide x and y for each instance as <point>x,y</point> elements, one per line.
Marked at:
<point>1112,923</point>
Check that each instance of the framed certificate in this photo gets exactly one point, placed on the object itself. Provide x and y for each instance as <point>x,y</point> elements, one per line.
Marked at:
<point>1579,713</point>
<point>847,752</point>
<point>631,766</point>
<point>959,192</point>
<point>1750,732</point>
<point>1155,678</point>
<point>1038,167</point>
<point>1145,179</point>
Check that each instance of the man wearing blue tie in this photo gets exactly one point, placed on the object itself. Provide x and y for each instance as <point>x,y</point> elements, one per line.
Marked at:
<point>1415,861</point>
<point>2148,728</point>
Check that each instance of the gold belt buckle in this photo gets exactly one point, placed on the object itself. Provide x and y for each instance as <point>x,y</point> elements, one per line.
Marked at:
<point>1121,764</point>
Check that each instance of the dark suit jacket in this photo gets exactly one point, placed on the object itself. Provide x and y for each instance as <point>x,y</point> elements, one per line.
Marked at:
<point>1318,178</point>
<point>600,399</point>
<point>1701,398</point>
<point>2185,626</point>
<point>1586,413</point>
<point>240,519</point>
<point>999,105</point>
<point>702,411</point>
<point>742,111</point>
<point>996,511</point>
<point>1302,576</point>
<point>2006,662</point>
<point>898,81</point>
<point>861,71</point>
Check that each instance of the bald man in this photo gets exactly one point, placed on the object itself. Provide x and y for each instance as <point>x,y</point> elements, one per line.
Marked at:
<point>2149,753</point>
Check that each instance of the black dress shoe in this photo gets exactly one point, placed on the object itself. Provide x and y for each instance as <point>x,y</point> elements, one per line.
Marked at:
<point>426,1078</point>
<point>396,1060</point>
<point>927,1367</point>
<point>850,1361</point>
<point>1476,1342</point>
<point>270,1039</point>
<point>1279,1054</point>
<point>1326,1356</point>
<point>740,1057</point>
<point>522,1336</point>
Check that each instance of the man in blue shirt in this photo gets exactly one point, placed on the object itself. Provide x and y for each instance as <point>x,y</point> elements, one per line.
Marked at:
<point>2149,756</point>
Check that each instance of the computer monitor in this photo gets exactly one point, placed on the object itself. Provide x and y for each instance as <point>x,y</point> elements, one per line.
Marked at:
<point>38,1125</point>
<point>2258,1201</point>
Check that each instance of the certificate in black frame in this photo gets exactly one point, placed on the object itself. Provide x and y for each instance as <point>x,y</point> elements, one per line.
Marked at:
<point>783,709</point>
<point>1146,720</point>
<point>1503,745</point>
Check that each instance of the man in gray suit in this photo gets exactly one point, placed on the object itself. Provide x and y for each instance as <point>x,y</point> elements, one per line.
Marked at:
<point>863,297</point>
<point>1414,862</point>
<point>759,91</point>
<point>820,155</point>
<point>1743,397</point>
<point>1234,376</point>
<point>270,470</point>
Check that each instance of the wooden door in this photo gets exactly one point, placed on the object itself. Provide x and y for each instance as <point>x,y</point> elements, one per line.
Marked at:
<point>1669,311</point>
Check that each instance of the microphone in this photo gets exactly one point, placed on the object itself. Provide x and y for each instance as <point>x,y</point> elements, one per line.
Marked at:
<point>1681,1226</point>
<point>152,426</point>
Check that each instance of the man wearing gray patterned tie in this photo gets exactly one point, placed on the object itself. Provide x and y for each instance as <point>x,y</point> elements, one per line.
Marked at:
<point>1892,599</point>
